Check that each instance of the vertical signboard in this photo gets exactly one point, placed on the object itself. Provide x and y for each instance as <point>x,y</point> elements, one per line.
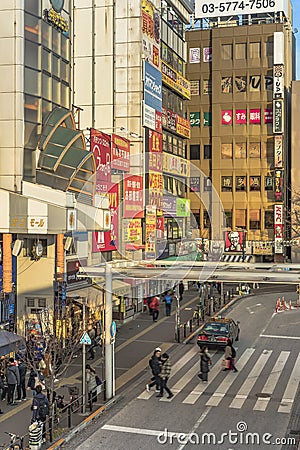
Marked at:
<point>152,98</point>
<point>278,116</point>
<point>278,228</point>
<point>278,183</point>
<point>278,150</point>
<point>120,153</point>
<point>150,250</point>
<point>151,33</point>
<point>278,84</point>
<point>101,148</point>
<point>133,197</point>
<point>105,241</point>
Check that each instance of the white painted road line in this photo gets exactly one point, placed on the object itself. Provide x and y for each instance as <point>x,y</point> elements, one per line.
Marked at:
<point>250,381</point>
<point>198,391</point>
<point>184,380</point>
<point>271,382</point>
<point>132,430</point>
<point>275,336</point>
<point>216,398</point>
<point>291,389</point>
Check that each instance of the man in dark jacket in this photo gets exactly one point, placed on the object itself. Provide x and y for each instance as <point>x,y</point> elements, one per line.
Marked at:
<point>40,409</point>
<point>165,375</point>
<point>155,365</point>
<point>13,379</point>
<point>21,388</point>
<point>181,290</point>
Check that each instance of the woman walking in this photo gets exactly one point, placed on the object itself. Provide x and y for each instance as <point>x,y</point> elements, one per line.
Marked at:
<point>229,356</point>
<point>205,362</point>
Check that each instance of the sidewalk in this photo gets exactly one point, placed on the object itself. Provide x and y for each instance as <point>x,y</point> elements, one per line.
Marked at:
<point>135,342</point>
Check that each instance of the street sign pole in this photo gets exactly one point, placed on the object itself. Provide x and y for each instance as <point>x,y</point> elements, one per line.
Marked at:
<point>113,330</point>
<point>108,323</point>
<point>83,360</point>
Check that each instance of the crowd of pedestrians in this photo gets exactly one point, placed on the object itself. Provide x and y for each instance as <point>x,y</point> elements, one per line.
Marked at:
<point>168,297</point>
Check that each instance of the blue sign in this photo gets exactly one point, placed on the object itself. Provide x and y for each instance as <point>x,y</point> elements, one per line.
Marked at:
<point>152,87</point>
<point>113,329</point>
<point>85,339</point>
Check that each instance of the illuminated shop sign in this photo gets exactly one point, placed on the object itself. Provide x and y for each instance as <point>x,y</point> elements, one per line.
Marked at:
<point>175,80</point>
<point>54,18</point>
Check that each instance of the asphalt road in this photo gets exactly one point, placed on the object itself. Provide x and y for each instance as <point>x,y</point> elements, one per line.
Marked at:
<point>247,410</point>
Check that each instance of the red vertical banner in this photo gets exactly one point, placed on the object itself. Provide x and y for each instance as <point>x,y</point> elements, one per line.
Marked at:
<point>106,241</point>
<point>120,153</point>
<point>133,206</point>
<point>101,148</point>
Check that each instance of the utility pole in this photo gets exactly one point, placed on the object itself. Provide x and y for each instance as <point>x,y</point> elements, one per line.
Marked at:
<point>177,315</point>
<point>109,382</point>
<point>83,358</point>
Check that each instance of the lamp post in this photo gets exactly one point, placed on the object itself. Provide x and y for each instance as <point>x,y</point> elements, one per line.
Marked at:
<point>109,363</point>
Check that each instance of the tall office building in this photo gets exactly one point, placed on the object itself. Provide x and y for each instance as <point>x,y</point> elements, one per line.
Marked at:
<point>241,64</point>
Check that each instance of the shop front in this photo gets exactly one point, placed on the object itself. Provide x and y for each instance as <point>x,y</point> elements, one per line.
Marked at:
<point>123,306</point>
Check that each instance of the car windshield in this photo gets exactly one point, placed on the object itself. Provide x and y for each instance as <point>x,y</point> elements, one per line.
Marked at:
<point>215,327</point>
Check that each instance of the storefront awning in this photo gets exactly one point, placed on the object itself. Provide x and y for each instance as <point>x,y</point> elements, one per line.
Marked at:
<point>93,295</point>
<point>121,288</point>
<point>10,342</point>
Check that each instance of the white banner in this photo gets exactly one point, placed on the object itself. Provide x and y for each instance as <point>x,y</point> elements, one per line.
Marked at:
<point>278,228</point>
<point>278,84</point>
<point>219,8</point>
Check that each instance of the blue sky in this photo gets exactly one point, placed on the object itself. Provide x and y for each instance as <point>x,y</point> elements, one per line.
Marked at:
<point>296,24</point>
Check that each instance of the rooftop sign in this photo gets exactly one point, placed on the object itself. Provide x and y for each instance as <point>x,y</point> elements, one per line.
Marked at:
<point>218,8</point>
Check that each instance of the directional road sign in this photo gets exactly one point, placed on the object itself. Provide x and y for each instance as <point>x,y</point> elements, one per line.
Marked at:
<point>85,339</point>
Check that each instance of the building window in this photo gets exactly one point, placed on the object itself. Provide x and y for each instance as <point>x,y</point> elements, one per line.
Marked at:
<point>254,150</point>
<point>226,51</point>
<point>206,220</point>
<point>195,152</point>
<point>269,220</point>
<point>226,184</point>
<point>240,218</point>
<point>254,50</point>
<point>226,85</point>
<point>269,47</point>
<point>240,83</point>
<point>206,87</point>
<point>241,183</point>
<point>240,150</point>
<point>254,219</point>
<point>228,219</point>
<point>226,151</point>
<point>207,184</point>
<point>240,51</point>
<point>207,151</point>
<point>268,183</point>
<point>254,183</point>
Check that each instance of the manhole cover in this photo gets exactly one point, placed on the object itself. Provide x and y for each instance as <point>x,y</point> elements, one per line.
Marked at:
<point>263,395</point>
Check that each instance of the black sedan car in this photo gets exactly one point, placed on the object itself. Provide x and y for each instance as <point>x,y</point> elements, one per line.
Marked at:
<point>216,332</point>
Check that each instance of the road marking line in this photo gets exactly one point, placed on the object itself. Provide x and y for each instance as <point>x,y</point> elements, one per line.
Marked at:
<point>262,403</point>
<point>291,389</point>
<point>251,379</point>
<point>132,430</point>
<point>196,426</point>
<point>198,391</point>
<point>177,366</point>
<point>216,398</point>
<point>279,337</point>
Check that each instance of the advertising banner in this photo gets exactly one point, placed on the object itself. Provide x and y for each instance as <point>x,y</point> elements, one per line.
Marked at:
<point>233,241</point>
<point>278,184</point>
<point>278,150</point>
<point>219,8</point>
<point>120,153</point>
<point>227,117</point>
<point>278,123</point>
<point>101,148</point>
<point>254,116</point>
<point>195,119</point>
<point>240,116</point>
<point>278,85</point>
<point>268,115</point>
<point>278,228</point>
<point>106,241</point>
<point>152,118</point>
<point>195,55</point>
<point>150,250</point>
<point>182,207</point>
<point>169,205</point>
<point>195,184</point>
<point>156,191</point>
<point>154,151</point>
<point>151,33</point>
<point>133,197</point>
<point>152,87</point>
<point>207,54</point>
<point>132,230</point>
<point>173,122</point>
<point>175,80</point>
<point>175,165</point>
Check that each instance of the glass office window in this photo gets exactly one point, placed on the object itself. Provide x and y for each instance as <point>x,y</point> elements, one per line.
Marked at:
<point>56,48</point>
<point>32,55</point>
<point>226,184</point>
<point>254,50</point>
<point>46,35</point>
<point>226,51</point>
<point>269,219</point>
<point>55,91</point>
<point>47,87</point>
<point>241,183</point>
<point>240,150</point>
<point>195,152</point>
<point>228,219</point>
<point>226,151</point>
<point>33,6</point>
<point>55,66</point>
<point>254,150</point>
<point>32,82</point>
<point>32,109</point>
<point>254,217</point>
<point>254,183</point>
<point>65,48</point>
<point>46,60</point>
<point>240,51</point>
<point>32,28</point>
<point>207,151</point>
<point>241,218</point>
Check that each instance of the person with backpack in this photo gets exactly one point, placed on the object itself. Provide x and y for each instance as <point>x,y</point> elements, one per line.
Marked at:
<point>154,305</point>
<point>155,366</point>
<point>168,301</point>
<point>230,355</point>
<point>40,409</point>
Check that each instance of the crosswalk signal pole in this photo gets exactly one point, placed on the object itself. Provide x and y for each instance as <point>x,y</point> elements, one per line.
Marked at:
<point>83,360</point>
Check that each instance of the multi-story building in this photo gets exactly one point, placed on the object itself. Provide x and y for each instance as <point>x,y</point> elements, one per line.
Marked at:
<point>241,64</point>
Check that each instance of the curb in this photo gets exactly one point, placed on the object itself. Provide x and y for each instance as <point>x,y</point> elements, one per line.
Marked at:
<point>87,421</point>
<point>225,307</point>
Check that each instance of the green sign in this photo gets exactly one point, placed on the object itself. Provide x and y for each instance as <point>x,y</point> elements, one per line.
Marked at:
<point>195,119</point>
<point>207,119</point>
<point>182,207</point>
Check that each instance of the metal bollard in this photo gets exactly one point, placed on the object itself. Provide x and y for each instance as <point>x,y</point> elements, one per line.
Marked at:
<point>184,330</point>
<point>69,416</point>
<point>191,325</point>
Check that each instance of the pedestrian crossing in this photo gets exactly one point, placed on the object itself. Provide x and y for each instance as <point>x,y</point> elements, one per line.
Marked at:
<point>279,371</point>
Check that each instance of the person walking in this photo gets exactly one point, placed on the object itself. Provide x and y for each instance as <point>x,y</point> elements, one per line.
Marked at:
<point>155,365</point>
<point>168,301</point>
<point>230,354</point>
<point>32,381</point>
<point>13,379</point>
<point>91,383</point>
<point>181,290</point>
<point>21,388</point>
<point>165,375</point>
<point>154,305</point>
<point>40,410</point>
<point>205,362</point>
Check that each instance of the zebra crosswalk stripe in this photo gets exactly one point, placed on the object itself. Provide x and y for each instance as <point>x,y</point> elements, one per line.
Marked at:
<point>177,366</point>
<point>291,389</point>
<point>268,389</point>
<point>251,379</point>
<point>216,398</point>
<point>198,391</point>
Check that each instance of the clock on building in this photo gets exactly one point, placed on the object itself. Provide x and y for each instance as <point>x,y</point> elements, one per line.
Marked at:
<point>57,5</point>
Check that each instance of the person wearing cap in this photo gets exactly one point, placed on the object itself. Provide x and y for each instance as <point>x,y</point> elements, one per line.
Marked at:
<point>165,375</point>
<point>155,365</point>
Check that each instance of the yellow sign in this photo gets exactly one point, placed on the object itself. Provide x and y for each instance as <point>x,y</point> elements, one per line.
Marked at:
<point>175,80</point>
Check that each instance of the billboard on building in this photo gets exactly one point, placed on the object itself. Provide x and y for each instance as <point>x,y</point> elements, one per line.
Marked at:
<point>278,150</point>
<point>154,148</point>
<point>278,84</point>
<point>120,153</point>
<point>278,228</point>
<point>278,185</point>
<point>219,8</point>
<point>105,241</point>
<point>152,97</point>
<point>278,122</point>
<point>151,33</point>
<point>133,206</point>
<point>101,148</point>
<point>234,241</point>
